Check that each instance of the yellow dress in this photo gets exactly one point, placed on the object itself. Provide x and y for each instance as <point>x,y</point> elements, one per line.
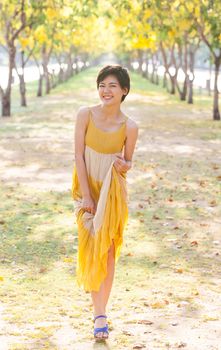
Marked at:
<point>109,191</point>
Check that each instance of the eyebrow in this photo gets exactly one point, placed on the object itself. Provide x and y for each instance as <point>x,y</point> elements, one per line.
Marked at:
<point>112,82</point>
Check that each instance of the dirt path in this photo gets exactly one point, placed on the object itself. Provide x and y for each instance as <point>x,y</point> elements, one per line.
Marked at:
<point>167,286</point>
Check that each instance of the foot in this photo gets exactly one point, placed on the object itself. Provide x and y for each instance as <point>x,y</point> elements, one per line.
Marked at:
<point>100,322</point>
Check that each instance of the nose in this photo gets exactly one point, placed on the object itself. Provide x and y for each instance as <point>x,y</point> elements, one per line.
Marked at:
<point>106,89</point>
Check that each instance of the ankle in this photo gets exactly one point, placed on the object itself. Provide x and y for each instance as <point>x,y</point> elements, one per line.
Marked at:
<point>98,312</point>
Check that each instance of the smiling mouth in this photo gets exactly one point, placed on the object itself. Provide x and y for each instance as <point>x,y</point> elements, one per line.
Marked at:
<point>107,97</point>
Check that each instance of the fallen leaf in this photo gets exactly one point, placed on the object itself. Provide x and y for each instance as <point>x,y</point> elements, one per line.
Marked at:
<point>127,332</point>
<point>157,305</point>
<point>194,243</point>
<point>210,318</point>
<point>129,254</point>
<point>181,345</point>
<point>42,269</point>
<point>179,270</point>
<point>145,322</point>
<point>139,346</point>
<point>195,292</point>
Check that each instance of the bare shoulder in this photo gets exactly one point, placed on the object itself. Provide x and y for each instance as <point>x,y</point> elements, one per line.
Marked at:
<point>132,127</point>
<point>83,112</point>
<point>82,116</point>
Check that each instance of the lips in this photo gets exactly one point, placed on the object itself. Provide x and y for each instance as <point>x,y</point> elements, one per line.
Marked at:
<point>107,97</point>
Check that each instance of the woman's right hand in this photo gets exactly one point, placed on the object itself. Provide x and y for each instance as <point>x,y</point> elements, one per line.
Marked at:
<point>88,204</point>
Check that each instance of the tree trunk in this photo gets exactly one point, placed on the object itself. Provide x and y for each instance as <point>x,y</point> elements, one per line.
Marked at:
<point>6,104</point>
<point>157,78</point>
<point>70,71</point>
<point>22,90</point>
<point>216,113</point>
<point>6,95</point>
<point>173,84</point>
<point>53,79</point>
<point>140,60</point>
<point>47,80</point>
<point>40,83</point>
<point>190,81</point>
<point>165,79</point>
<point>61,75</point>
<point>45,60</point>
<point>22,86</point>
<point>147,71</point>
<point>184,90</point>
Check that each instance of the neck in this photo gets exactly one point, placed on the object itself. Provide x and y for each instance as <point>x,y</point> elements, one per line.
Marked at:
<point>110,112</point>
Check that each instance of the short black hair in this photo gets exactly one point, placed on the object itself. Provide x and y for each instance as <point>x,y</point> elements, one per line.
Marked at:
<point>119,72</point>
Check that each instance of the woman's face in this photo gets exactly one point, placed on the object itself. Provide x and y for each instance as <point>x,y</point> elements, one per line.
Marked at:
<point>110,91</point>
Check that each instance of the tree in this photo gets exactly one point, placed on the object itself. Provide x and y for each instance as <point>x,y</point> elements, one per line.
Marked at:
<point>206,15</point>
<point>12,21</point>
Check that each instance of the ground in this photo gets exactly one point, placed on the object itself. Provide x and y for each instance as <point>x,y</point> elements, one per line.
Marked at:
<point>166,292</point>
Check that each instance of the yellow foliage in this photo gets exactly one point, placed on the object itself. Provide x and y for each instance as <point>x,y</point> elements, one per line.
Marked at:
<point>24,42</point>
<point>193,33</point>
<point>147,14</point>
<point>120,22</point>
<point>40,34</point>
<point>197,11</point>
<point>171,34</point>
<point>59,36</point>
<point>184,24</point>
<point>190,6</point>
<point>52,13</point>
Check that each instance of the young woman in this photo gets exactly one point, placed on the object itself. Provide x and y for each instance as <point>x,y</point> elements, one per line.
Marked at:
<point>105,139</point>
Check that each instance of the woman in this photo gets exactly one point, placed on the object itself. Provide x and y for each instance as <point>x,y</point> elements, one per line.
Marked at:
<point>105,139</point>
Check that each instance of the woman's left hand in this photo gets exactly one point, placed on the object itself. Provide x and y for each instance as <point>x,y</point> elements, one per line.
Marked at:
<point>121,165</point>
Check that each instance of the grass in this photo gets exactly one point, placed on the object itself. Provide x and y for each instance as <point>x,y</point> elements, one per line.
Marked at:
<point>170,262</point>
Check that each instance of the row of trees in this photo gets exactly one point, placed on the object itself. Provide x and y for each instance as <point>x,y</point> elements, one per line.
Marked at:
<point>150,31</point>
<point>41,30</point>
<point>172,31</point>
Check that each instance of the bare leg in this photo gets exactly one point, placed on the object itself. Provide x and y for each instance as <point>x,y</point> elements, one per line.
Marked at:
<point>108,282</point>
<point>101,297</point>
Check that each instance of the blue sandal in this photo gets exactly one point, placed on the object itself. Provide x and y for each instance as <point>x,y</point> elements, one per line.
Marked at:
<point>103,329</point>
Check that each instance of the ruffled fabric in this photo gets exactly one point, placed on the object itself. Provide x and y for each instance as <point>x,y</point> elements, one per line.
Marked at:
<point>93,245</point>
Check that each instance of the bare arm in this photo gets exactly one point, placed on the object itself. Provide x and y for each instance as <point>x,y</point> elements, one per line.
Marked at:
<point>80,130</point>
<point>125,163</point>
